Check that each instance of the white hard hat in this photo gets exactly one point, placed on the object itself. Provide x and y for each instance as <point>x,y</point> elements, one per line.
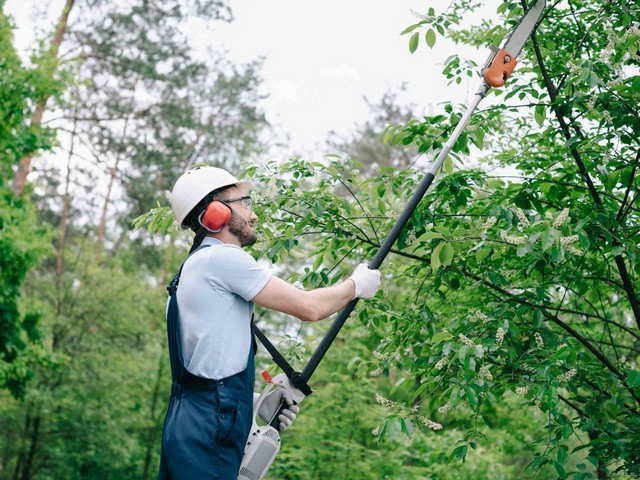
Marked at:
<point>196,184</point>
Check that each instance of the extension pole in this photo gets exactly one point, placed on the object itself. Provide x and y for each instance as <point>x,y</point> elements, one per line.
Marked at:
<point>385,248</point>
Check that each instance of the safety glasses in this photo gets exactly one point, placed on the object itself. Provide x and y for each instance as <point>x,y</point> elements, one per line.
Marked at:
<point>246,201</point>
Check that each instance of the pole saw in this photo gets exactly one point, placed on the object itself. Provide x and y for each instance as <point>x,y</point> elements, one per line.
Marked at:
<point>263,443</point>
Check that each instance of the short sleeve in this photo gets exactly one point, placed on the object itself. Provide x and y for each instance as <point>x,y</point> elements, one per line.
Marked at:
<point>237,271</point>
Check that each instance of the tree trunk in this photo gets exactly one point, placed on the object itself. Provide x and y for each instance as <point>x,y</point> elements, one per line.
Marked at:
<point>64,218</point>
<point>103,218</point>
<point>102,227</point>
<point>29,443</point>
<point>20,178</point>
<point>33,444</point>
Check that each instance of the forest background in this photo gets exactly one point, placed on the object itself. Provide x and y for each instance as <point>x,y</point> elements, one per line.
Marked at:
<point>505,343</point>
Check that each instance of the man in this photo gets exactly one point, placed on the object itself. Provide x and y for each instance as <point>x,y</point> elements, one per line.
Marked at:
<point>209,323</point>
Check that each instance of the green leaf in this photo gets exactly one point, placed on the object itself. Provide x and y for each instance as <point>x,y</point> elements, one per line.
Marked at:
<point>548,238</point>
<point>411,28</point>
<point>441,337</point>
<point>538,461</point>
<point>633,379</point>
<point>413,42</point>
<point>562,455</point>
<point>406,426</point>
<point>472,396</point>
<point>560,469</point>
<point>448,165</point>
<point>617,250</point>
<point>482,253</point>
<point>428,236</point>
<point>539,114</point>
<point>420,390</point>
<point>459,453</point>
<point>446,254</point>
<point>478,135</point>
<point>524,249</point>
<point>430,38</point>
<point>436,263</point>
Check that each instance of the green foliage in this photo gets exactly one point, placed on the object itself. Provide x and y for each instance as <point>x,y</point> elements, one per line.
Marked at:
<point>19,89</point>
<point>22,242</point>
<point>157,220</point>
<point>21,245</point>
<point>97,403</point>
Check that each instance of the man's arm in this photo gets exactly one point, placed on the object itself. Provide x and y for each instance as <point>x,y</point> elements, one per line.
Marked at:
<point>314,305</point>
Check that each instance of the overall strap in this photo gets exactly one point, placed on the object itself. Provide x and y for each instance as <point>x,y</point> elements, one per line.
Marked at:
<point>173,325</point>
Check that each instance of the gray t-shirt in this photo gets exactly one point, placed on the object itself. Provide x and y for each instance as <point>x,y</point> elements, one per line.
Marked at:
<point>214,297</point>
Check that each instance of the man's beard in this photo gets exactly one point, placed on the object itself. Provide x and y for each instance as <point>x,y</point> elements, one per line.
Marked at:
<point>243,230</point>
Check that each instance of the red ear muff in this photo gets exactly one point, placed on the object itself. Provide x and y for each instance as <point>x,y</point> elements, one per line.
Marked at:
<point>215,217</point>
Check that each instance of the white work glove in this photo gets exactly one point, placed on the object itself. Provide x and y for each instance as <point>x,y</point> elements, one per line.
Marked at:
<point>272,403</point>
<point>367,281</point>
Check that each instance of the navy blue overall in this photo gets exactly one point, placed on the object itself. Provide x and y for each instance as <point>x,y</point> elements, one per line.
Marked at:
<point>207,421</point>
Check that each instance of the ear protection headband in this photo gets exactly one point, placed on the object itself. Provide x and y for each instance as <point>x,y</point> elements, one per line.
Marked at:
<point>215,217</point>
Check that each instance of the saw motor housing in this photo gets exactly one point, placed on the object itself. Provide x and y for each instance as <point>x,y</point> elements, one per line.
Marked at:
<point>263,443</point>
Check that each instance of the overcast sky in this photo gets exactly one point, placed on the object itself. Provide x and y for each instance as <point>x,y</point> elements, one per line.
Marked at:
<point>322,57</point>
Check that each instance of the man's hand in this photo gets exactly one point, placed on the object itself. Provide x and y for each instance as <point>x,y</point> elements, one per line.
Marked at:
<point>272,403</point>
<point>367,281</point>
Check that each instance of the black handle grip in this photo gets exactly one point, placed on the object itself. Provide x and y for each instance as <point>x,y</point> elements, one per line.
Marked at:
<point>275,423</point>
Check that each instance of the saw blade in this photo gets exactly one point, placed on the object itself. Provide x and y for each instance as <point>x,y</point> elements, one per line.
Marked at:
<point>524,29</point>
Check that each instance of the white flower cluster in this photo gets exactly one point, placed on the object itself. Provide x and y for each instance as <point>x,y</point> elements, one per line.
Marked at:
<point>485,374</point>
<point>385,402</point>
<point>528,369</point>
<point>512,239</point>
<point>565,377</point>
<point>523,218</point>
<point>445,408</point>
<point>381,356</point>
<point>466,340</point>
<point>538,339</point>
<point>567,243</point>
<point>561,218</point>
<point>481,316</point>
<point>522,390</point>
<point>500,336</point>
<point>632,32</point>
<point>491,221</point>
<point>569,240</point>
<point>441,363</point>
<point>429,423</point>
